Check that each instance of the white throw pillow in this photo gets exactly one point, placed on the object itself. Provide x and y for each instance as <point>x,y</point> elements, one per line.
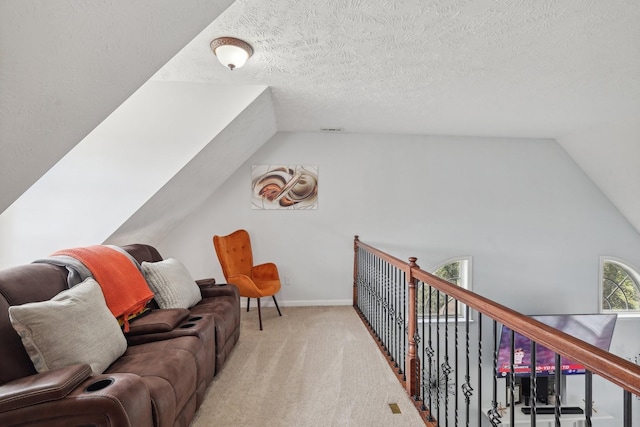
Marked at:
<point>73,327</point>
<point>171,283</point>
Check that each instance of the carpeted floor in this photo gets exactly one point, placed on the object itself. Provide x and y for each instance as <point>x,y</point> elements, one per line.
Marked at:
<point>314,366</point>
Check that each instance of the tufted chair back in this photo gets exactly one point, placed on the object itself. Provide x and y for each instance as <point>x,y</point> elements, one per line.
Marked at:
<point>234,253</point>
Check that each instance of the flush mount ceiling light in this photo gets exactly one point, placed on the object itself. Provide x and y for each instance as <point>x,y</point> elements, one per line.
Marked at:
<point>231,52</point>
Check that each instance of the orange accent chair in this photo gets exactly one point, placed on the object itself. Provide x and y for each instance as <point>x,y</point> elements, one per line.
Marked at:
<point>253,281</point>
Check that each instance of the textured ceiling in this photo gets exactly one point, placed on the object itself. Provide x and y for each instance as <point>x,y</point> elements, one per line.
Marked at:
<point>457,67</point>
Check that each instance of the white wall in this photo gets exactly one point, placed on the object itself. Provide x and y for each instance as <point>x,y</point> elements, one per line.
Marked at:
<point>533,222</point>
<point>530,218</point>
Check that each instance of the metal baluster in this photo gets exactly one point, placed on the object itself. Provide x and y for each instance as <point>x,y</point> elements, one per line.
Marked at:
<point>626,417</point>
<point>417,340</point>
<point>430,356</point>
<point>367,283</point>
<point>379,298</point>
<point>362,296</point>
<point>362,282</point>
<point>533,384</point>
<point>446,369</point>
<point>372,304</point>
<point>392,317</point>
<point>404,329</point>
<point>385,308</point>
<point>512,378</point>
<point>437,382</point>
<point>369,291</point>
<point>389,310</point>
<point>398,320</point>
<point>367,287</point>
<point>495,415</point>
<point>558,384</point>
<point>394,307</point>
<point>457,369</point>
<point>373,296</point>
<point>425,366</point>
<point>466,388</point>
<point>394,313</point>
<point>367,301</point>
<point>588,397</point>
<point>358,280</point>
<point>377,302</point>
<point>390,321</point>
<point>380,302</point>
<point>479,366</point>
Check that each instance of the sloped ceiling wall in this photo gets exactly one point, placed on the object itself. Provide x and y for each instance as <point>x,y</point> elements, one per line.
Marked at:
<point>65,65</point>
<point>610,156</point>
<point>122,164</point>
<point>202,176</point>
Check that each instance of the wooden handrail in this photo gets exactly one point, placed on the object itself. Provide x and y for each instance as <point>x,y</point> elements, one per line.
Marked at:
<point>615,369</point>
<point>396,262</point>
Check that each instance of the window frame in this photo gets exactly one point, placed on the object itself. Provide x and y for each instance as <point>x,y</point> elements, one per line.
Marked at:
<point>466,281</point>
<point>634,274</point>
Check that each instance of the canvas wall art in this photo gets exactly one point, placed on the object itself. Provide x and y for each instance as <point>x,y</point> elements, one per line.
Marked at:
<point>284,187</point>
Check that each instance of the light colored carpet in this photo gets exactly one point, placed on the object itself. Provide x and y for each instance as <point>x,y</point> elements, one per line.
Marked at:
<point>314,366</point>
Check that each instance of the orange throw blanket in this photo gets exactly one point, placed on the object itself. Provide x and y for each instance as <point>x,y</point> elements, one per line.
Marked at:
<point>124,287</point>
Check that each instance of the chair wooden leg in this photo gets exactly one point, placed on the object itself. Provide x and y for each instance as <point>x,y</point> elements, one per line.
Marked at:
<point>259,314</point>
<point>248,301</point>
<point>276,303</point>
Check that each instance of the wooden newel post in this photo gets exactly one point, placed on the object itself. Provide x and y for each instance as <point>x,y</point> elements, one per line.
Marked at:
<point>413,362</point>
<point>356,239</point>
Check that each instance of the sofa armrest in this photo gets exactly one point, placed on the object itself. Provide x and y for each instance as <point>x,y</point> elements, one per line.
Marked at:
<point>206,282</point>
<point>42,387</point>
<point>212,289</point>
<point>100,401</point>
<point>160,320</point>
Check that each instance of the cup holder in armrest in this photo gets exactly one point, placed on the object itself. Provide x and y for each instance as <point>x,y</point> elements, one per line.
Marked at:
<point>193,319</point>
<point>99,385</point>
<point>187,325</point>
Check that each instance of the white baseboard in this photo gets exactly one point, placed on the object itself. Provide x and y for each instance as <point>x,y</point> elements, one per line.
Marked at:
<point>268,302</point>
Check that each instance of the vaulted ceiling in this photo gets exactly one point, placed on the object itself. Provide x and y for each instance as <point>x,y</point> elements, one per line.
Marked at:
<point>456,67</point>
<point>562,69</point>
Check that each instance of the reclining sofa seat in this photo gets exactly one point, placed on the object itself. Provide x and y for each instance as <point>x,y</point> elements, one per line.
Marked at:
<point>221,302</point>
<point>156,382</point>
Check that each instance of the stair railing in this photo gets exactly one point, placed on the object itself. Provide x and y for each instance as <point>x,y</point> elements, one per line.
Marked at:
<point>431,350</point>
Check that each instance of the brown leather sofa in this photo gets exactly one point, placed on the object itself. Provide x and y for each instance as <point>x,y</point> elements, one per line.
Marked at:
<point>160,380</point>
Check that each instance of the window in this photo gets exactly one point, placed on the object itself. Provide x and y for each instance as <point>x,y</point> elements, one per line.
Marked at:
<point>456,271</point>
<point>620,287</point>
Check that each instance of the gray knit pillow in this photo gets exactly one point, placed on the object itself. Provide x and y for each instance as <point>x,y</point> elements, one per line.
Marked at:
<point>73,327</point>
<point>171,283</point>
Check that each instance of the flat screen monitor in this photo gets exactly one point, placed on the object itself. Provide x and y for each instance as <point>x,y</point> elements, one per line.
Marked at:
<point>595,329</point>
